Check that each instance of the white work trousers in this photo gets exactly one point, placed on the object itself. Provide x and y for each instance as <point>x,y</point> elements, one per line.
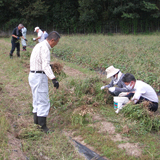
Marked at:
<point>39,86</point>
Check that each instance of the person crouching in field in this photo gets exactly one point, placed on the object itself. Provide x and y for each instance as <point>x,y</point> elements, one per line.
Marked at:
<point>116,75</point>
<point>142,92</point>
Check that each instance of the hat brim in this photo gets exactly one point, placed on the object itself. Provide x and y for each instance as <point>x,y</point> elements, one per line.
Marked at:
<point>113,73</point>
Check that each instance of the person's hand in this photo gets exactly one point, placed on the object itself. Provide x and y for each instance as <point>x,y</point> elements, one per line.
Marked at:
<point>34,39</point>
<point>112,89</point>
<point>103,87</point>
<point>123,94</point>
<point>17,37</point>
<point>25,39</point>
<point>56,83</point>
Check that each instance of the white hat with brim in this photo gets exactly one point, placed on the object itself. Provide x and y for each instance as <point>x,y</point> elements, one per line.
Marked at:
<point>111,71</point>
<point>36,29</point>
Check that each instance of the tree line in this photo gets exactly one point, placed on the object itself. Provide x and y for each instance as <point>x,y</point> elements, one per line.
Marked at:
<point>82,16</point>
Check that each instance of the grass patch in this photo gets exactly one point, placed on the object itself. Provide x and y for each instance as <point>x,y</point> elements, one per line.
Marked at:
<point>70,104</point>
<point>144,120</point>
<point>4,125</point>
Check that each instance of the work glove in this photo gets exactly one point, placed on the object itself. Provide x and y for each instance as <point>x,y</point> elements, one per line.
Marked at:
<point>122,94</point>
<point>17,37</point>
<point>34,39</point>
<point>25,39</point>
<point>56,83</point>
<point>112,89</point>
<point>103,87</point>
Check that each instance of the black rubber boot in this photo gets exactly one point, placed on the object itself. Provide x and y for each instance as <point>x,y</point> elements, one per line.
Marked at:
<point>35,118</point>
<point>42,123</point>
<point>18,54</point>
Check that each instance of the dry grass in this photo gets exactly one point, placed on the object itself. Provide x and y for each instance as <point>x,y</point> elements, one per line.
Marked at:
<point>57,68</point>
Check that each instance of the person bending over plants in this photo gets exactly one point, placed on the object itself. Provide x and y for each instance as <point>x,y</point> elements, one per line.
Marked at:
<point>116,75</point>
<point>142,92</point>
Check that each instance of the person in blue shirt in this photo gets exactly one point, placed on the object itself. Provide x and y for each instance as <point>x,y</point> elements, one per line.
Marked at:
<point>45,34</point>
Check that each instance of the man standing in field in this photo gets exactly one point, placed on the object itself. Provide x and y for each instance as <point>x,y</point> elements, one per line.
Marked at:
<point>39,71</point>
<point>143,92</point>
<point>16,34</point>
<point>40,36</point>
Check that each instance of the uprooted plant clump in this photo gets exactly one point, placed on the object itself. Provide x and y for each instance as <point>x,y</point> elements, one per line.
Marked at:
<point>146,120</point>
<point>57,69</point>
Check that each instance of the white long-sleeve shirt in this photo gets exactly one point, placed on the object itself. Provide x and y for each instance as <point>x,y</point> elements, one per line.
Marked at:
<point>144,90</point>
<point>40,34</point>
<point>40,59</point>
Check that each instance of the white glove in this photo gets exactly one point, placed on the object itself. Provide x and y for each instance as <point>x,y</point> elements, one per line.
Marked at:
<point>117,111</point>
<point>103,87</point>
<point>122,94</point>
<point>112,89</point>
<point>34,39</point>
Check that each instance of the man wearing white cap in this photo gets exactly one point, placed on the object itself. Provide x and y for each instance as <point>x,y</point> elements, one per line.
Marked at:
<point>116,75</point>
<point>40,36</point>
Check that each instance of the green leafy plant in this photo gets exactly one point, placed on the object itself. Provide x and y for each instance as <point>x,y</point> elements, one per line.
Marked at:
<point>144,118</point>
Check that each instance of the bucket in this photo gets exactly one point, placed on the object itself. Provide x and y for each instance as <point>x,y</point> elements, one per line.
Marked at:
<point>119,102</point>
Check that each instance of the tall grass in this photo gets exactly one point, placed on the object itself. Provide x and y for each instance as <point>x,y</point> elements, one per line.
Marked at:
<point>90,52</point>
<point>137,54</point>
<point>4,127</point>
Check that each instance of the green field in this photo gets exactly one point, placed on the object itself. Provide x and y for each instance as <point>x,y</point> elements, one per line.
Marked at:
<point>79,109</point>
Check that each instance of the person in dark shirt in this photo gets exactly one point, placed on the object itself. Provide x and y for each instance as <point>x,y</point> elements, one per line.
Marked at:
<point>16,34</point>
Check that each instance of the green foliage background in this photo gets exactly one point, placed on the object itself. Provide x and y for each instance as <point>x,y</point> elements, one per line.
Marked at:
<point>82,16</point>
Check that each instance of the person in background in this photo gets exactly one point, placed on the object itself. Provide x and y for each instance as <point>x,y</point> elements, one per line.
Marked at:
<point>142,92</point>
<point>116,75</point>
<point>40,71</point>
<point>16,34</point>
<point>40,36</point>
<point>45,34</point>
<point>24,32</point>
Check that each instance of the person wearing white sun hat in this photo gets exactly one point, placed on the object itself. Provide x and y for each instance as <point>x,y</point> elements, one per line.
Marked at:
<point>116,79</point>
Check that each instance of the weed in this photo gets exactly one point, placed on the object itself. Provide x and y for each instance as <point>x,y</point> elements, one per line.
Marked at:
<point>81,115</point>
<point>145,119</point>
<point>4,125</point>
<point>57,69</point>
<point>30,132</point>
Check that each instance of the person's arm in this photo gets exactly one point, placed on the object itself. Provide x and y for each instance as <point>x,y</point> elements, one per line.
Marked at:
<point>136,97</point>
<point>45,56</point>
<point>40,34</point>
<point>37,38</point>
<point>24,38</point>
<point>14,36</point>
<point>110,84</point>
<point>107,86</point>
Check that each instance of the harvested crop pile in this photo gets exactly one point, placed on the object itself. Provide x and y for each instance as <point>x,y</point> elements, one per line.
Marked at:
<point>57,68</point>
